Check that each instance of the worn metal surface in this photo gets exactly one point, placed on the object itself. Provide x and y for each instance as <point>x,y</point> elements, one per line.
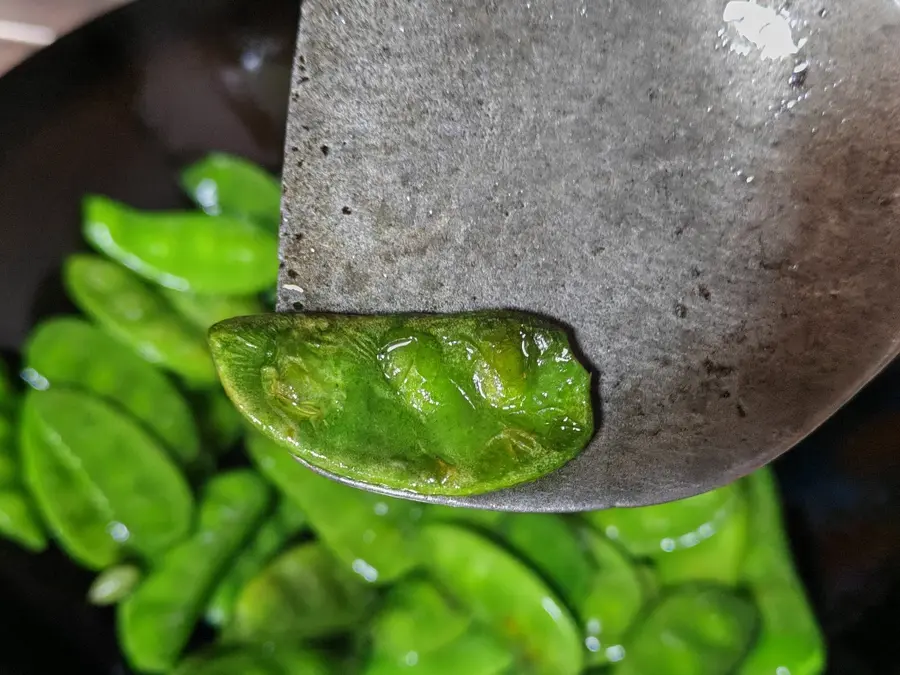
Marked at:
<point>720,232</point>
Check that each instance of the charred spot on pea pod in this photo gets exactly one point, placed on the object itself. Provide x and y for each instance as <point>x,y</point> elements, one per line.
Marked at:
<point>436,404</point>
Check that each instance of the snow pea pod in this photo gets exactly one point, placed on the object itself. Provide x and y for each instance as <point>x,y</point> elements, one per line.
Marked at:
<point>713,553</point>
<point>147,496</point>
<point>189,251</point>
<point>114,584</point>
<point>551,546</point>
<point>501,591</point>
<point>435,404</point>
<point>614,600</point>
<point>416,618</point>
<point>286,522</point>
<point>702,630</point>
<point>475,653</point>
<point>202,311</point>
<point>790,639</point>
<point>301,594</point>
<point>19,522</point>
<point>78,516</point>
<point>268,660</point>
<point>653,530</point>
<point>155,622</point>
<point>222,184</point>
<point>71,352</point>
<point>138,316</point>
<point>374,535</point>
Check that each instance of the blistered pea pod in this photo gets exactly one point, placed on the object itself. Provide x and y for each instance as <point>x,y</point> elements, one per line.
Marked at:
<point>376,536</point>
<point>222,184</point>
<point>477,652</point>
<point>692,630</point>
<point>790,640</point>
<point>303,593</point>
<point>103,483</point>
<point>71,352</point>
<point>156,620</point>
<point>507,597</point>
<point>184,251</point>
<point>404,401</point>
<point>138,316</point>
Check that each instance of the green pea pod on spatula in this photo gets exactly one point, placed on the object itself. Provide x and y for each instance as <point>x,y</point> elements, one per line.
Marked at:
<point>435,404</point>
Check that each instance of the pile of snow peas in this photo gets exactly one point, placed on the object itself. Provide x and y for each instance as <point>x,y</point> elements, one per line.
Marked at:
<point>111,443</point>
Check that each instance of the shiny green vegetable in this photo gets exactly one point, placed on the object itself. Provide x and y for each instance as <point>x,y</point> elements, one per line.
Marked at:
<point>653,530</point>
<point>617,593</point>
<point>790,640</point>
<point>138,316</point>
<point>551,546</point>
<point>304,593</point>
<point>76,513</point>
<point>449,405</point>
<point>71,352</point>
<point>416,618</point>
<point>225,185</point>
<point>267,660</point>
<point>713,553</point>
<point>19,522</point>
<point>156,621</point>
<point>377,536</point>
<point>283,524</point>
<point>702,630</point>
<point>475,653</point>
<point>194,252</point>
<point>499,590</point>
<point>114,584</point>
<point>126,470</point>
<point>202,311</point>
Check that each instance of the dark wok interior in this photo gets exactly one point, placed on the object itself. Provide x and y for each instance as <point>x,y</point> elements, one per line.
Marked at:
<point>115,107</point>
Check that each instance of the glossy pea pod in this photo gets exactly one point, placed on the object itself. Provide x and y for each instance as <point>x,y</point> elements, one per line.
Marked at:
<point>415,618</point>
<point>19,521</point>
<point>278,528</point>
<point>507,597</point>
<point>189,251</point>
<point>138,316</point>
<point>653,531</point>
<point>93,468</point>
<point>376,536</point>
<point>692,630</point>
<point>406,401</point>
<point>618,592</point>
<point>222,184</point>
<point>475,653</point>
<point>71,352</point>
<point>790,639</point>
<point>304,593</point>
<point>269,660</point>
<point>155,622</point>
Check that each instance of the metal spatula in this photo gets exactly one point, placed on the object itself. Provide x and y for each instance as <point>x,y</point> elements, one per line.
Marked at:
<point>707,192</point>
